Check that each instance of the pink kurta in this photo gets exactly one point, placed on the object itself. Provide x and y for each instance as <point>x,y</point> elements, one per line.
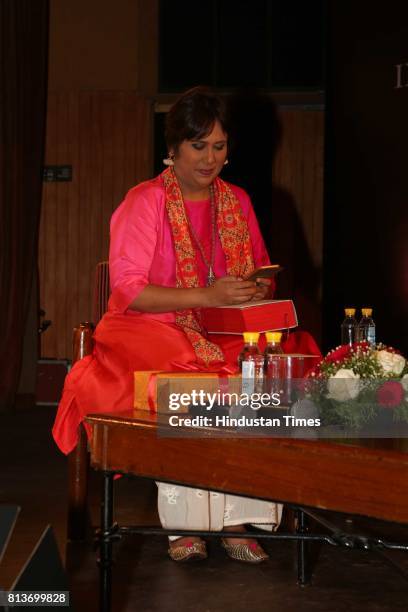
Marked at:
<point>141,253</point>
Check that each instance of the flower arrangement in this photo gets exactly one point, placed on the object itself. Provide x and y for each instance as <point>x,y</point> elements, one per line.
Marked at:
<point>353,384</point>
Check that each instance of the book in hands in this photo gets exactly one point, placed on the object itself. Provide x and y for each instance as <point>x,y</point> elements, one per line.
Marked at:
<point>259,316</point>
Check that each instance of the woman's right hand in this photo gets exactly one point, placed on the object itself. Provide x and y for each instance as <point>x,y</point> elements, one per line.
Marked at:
<point>226,291</point>
<point>230,290</point>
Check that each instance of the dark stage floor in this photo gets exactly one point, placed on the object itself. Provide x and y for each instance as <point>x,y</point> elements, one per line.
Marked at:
<point>33,475</point>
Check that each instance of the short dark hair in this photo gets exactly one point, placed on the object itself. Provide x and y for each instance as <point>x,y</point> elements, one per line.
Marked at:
<point>193,116</point>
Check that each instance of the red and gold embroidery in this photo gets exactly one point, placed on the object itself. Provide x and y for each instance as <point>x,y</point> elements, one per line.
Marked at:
<point>236,244</point>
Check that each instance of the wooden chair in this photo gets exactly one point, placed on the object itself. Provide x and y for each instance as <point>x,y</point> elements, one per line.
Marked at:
<point>78,459</point>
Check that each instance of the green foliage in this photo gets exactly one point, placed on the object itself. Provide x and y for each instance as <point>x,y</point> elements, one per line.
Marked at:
<point>357,412</point>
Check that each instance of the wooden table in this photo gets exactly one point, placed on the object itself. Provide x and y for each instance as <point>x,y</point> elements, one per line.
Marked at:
<point>366,477</point>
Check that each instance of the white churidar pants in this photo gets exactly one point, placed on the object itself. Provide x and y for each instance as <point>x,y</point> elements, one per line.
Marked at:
<point>187,508</point>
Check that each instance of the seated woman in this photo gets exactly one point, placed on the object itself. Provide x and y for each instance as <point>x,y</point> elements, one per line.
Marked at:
<point>179,242</point>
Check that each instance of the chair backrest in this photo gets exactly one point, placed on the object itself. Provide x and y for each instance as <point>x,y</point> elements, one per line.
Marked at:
<point>101,291</point>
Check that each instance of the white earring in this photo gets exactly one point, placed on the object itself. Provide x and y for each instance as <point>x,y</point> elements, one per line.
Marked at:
<point>226,162</point>
<point>169,161</point>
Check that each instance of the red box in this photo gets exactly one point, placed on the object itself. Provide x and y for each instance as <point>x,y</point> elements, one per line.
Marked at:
<point>262,316</point>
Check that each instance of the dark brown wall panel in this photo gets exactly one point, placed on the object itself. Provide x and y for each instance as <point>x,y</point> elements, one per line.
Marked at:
<point>94,45</point>
<point>298,175</point>
<point>299,169</point>
<point>106,137</point>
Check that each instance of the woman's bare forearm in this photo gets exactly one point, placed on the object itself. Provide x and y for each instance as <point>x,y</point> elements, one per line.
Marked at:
<point>225,291</point>
<point>154,298</point>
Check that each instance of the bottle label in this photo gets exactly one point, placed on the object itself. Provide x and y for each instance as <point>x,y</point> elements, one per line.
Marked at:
<point>371,335</point>
<point>248,377</point>
<point>366,333</point>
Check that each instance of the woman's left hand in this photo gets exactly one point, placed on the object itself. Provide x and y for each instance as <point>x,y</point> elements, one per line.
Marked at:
<point>263,286</point>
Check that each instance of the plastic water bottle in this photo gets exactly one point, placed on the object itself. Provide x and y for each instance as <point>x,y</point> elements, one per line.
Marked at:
<point>250,349</point>
<point>273,344</point>
<point>273,347</point>
<point>251,364</point>
<point>274,362</point>
<point>349,327</point>
<point>366,326</point>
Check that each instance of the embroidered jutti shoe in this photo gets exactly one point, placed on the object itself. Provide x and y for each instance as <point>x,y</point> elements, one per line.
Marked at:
<point>188,551</point>
<point>248,553</point>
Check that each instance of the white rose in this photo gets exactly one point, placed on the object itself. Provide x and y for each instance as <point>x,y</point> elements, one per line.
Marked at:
<point>404,382</point>
<point>344,385</point>
<point>390,362</point>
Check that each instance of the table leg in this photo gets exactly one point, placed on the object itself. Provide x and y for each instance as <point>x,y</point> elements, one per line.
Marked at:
<point>301,528</point>
<point>105,559</point>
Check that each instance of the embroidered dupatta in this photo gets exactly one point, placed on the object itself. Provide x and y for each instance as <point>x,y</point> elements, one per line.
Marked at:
<point>235,240</point>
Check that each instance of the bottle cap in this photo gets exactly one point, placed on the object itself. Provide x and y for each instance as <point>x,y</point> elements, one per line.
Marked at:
<point>252,337</point>
<point>350,312</point>
<point>273,336</point>
<point>367,312</point>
